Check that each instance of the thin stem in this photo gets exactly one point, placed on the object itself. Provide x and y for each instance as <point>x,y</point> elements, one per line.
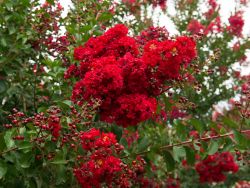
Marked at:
<point>9,150</point>
<point>190,141</point>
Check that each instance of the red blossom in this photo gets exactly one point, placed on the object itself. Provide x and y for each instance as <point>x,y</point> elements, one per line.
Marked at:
<point>212,168</point>
<point>71,71</point>
<point>195,27</point>
<point>214,26</point>
<point>98,170</point>
<point>106,140</point>
<point>124,75</point>
<point>135,74</point>
<point>88,138</point>
<point>236,24</point>
<point>79,52</point>
<point>130,110</point>
<point>213,7</point>
<point>103,82</point>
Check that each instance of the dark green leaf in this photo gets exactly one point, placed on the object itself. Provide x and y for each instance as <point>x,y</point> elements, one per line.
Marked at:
<point>25,160</point>
<point>181,130</point>
<point>25,146</point>
<point>241,139</point>
<point>124,142</point>
<point>190,155</point>
<point>3,86</point>
<point>143,144</point>
<point>105,16</point>
<point>230,123</point>
<point>117,131</point>
<point>197,125</point>
<point>2,142</point>
<point>3,169</point>
<point>59,159</point>
<point>169,160</point>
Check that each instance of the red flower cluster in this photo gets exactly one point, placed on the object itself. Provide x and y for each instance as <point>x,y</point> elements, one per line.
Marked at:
<point>132,109</point>
<point>101,166</point>
<point>213,8</point>
<point>214,26</point>
<point>94,138</point>
<point>195,27</point>
<point>127,73</point>
<point>97,171</point>
<point>212,169</point>
<point>236,24</point>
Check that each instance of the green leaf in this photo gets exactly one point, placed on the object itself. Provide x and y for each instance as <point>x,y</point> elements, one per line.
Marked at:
<point>86,28</point>
<point>61,172</point>
<point>3,42</point>
<point>143,144</point>
<point>178,152</point>
<point>8,139</point>
<point>12,30</point>
<point>24,40</point>
<point>3,169</point>
<point>117,131</point>
<point>105,16</point>
<point>190,155</point>
<point>230,123</point>
<point>25,160</point>
<point>25,146</point>
<point>8,5</point>
<point>167,102</point>
<point>169,160</point>
<point>42,109</point>
<point>228,144</point>
<point>59,159</point>
<point>52,2</point>
<point>213,148</point>
<point>3,86</point>
<point>124,142</point>
<point>181,130</point>
<point>241,140</point>
<point>197,125</point>
<point>67,102</point>
<point>64,104</point>
<point>2,142</point>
